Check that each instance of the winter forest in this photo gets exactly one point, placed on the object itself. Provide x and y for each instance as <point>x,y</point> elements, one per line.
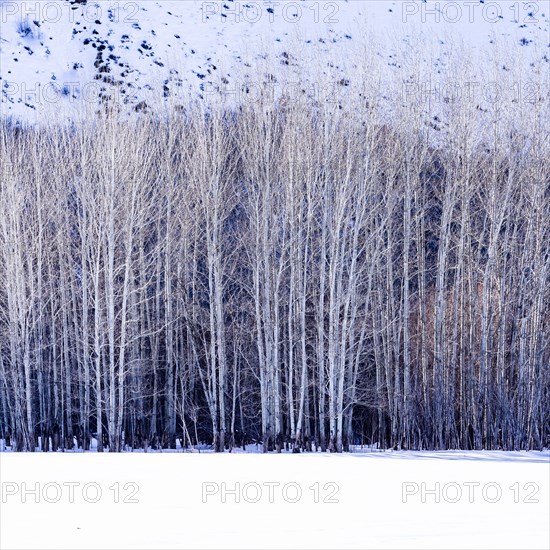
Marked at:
<point>307,277</point>
<point>286,258</point>
<point>365,266</point>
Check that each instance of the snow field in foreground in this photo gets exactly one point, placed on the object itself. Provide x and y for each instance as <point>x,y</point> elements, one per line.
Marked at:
<point>371,500</point>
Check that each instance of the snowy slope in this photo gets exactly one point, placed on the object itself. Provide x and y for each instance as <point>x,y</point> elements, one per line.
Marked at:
<point>54,54</point>
<point>369,500</point>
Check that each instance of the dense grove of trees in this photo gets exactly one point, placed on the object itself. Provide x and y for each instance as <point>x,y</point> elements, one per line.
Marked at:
<point>306,276</point>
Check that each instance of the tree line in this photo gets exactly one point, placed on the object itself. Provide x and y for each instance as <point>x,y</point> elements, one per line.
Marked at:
<point>304,276</point>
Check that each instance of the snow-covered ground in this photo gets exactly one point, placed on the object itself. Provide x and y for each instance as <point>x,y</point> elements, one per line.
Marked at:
<point>55,54</point>
<point>448,499</point>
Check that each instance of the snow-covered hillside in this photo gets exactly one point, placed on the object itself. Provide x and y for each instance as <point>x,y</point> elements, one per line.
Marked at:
<point>54,54</point>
